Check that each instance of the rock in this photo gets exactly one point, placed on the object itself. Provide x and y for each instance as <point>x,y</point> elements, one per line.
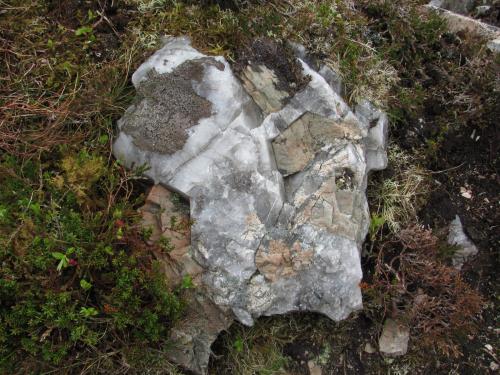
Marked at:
<point>369,348</point>
<point>295,147</point>
<point>194,334</point>
<point>377,124</point>
<point>160,215</point>
<point>276,191</point>
<point>333,78</point>
<point>314,369</point>
<point>453,11</point>
<point>494,45</point>
<point>457,6</point>
<point>394,339</point>
<point>261,83</point>
<point>483,10</point>
<point>457,237</point>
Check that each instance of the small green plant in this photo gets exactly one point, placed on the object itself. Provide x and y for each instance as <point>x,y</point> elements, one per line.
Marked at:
<point>84,30</point>
<point>85,285</point>
<point>238,345</point>
<point>165,244</point>
<point>64,260</point>
<point>88,312</point>
<point>376,223</point>
<point>146,233</point>
<point>187,282</point>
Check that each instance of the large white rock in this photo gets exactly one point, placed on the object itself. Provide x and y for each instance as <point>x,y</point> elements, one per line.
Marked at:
<point>267,244</point>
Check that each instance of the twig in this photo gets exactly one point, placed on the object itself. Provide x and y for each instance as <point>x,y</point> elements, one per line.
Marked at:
<point>447,170</point>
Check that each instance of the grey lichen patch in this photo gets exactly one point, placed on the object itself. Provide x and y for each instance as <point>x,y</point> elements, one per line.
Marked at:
<point>167,107</point>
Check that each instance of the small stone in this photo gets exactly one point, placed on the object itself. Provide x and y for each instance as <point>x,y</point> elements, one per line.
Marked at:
<point>494,366</point>
<point>314,369</point>
<point>466,193</point>
<point>494,45</point>
<point>483,10</point>
<point>458,238</point>
<point>394,339</point>
<point>489,347</point>
<point>369,348</point>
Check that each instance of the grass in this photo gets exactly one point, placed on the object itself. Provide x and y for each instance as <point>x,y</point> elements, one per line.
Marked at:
<point>399,194</point>
<point>79,289</point>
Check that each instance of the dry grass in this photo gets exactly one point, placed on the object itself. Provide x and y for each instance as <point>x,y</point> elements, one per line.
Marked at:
<point>400,193</point>
<point>411,281</point>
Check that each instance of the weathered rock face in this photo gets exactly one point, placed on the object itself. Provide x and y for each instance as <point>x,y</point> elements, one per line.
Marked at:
<point>277,200</point>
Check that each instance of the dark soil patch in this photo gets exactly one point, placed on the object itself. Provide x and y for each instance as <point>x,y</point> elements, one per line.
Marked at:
<point>465,165</point>
<point>107,19</point>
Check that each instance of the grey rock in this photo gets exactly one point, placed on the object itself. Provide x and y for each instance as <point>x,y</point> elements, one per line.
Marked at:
<point>483,10</point>
<point>369,348</point>
<point>453,11</point>
<point>457,6</point>
<point>314,368</point>
<point>276,191</point>
<point>394,339</point>
<point>494,45</point>
<point>261,83</point>
<point>333,78</point>
<point>457,237</point>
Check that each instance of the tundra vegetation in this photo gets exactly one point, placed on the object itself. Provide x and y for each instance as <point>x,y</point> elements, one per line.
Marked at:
<point>82,292</point>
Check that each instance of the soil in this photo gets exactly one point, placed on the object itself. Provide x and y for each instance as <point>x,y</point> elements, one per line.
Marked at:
<point>109,24</point>
<point>465,183</point>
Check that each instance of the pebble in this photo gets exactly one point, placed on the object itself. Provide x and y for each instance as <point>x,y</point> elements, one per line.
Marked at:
<point>314,369</point>
<point>369,348</point>
<point>483,10</point>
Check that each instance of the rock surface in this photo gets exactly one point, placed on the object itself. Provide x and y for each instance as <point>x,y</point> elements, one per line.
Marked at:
<point>276,190</point>
<point>394,339</point>
<point>453,11</point>
<point>465,247</point>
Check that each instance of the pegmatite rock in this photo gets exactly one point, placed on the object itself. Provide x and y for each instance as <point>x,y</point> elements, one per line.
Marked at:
<point>276,186</point>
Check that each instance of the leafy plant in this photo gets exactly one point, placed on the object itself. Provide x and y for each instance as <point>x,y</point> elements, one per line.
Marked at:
<point>84,30</point>
<point>85,285</point>
<point>64,260</point>
<point>88,312</point>
<point>376,223</point>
